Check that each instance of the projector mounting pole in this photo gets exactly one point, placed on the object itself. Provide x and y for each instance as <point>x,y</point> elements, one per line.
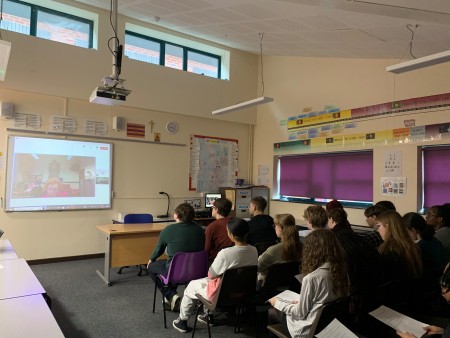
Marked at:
<point>115,69</point>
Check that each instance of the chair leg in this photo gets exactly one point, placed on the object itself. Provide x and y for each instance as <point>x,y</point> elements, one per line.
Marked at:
<point>164,309</point>
<point>120,270</point>
<point>195,320</point>
<point>142,271</point>
<point>154,298</point>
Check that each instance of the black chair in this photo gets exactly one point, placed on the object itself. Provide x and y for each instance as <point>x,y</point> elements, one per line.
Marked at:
<point>262,247</point>
<point>134,219</point>
<point>237,290</point>
<point>336,309</point>
<point>279,277</point>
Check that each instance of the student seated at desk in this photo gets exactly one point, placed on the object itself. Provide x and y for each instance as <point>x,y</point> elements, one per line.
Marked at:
<point>183,236</point>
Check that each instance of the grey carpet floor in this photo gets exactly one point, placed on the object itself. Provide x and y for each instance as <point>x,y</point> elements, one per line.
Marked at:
<point>85,307</point>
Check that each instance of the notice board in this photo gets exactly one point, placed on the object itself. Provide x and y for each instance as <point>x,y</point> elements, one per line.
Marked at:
<point>213,163</point>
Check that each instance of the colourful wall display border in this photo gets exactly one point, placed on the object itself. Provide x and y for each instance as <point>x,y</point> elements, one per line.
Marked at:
<point>300,122</point>
<point>393,136</point>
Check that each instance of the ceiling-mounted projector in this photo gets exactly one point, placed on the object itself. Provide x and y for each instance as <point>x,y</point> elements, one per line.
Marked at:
<point>111,93</point>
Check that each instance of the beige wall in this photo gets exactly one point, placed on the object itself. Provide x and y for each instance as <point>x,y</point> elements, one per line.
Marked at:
<point>49,78</point>
<point>296,83</point>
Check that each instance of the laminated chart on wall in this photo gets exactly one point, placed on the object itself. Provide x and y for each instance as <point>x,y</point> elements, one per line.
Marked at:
<point>63,124</point>
<point>27,120</point>
<point>213,163</point>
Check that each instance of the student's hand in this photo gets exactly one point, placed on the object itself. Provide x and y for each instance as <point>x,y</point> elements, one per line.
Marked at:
<point>149,262</point>
<point>405,334</point>
<point>272,301</point>
<point>434,329</point>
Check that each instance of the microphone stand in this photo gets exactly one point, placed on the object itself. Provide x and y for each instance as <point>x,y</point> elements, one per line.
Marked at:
<point>168,204</point>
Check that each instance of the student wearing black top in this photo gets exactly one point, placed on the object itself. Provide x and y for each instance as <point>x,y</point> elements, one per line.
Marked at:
<point>260,225</point>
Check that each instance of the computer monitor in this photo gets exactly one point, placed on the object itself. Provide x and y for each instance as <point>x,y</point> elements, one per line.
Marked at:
<point>210,198</point>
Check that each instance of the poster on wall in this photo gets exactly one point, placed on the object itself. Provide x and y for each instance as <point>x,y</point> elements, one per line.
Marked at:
<point>393,186</point>
<point>393,163</point>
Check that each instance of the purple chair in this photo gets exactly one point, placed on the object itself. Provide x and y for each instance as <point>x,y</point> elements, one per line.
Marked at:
<point>184,267</point>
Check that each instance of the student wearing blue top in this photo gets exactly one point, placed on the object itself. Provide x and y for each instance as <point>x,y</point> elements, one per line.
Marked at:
<point>183,236</point>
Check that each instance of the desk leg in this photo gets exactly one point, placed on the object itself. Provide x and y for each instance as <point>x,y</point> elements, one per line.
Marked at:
<point>105,275</point>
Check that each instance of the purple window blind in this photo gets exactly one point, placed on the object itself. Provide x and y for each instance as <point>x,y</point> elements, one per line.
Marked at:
<point>345,176</point>
<point>436,176</point>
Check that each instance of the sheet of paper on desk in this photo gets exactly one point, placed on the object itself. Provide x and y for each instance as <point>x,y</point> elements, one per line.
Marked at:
<point>398,321</point>
<point>288,296</point>
<point>336,330</point>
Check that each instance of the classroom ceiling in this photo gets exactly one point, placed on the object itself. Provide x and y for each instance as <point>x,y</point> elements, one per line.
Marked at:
<point>309,28</point>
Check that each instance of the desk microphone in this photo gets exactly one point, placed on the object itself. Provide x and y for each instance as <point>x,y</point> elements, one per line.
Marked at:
<point>168,204</point>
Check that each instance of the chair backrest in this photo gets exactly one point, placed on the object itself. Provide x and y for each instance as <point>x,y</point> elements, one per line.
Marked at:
<point>138,218</point>
<point>187,266</point>
<point>262,247</point>
<point>238,285</point>
<point>279,277</point>
<point>338,308</point>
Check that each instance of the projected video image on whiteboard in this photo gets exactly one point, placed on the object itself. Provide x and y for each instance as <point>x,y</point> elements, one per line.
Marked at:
<point>53,174</point>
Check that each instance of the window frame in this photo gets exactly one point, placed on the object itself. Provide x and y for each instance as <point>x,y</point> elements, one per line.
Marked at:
<point>34,22</point>
<point>422,165</point>
<point>185,49</point>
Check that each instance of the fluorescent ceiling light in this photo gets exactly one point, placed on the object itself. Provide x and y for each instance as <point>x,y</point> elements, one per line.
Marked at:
<point>5,49</point>
<point>243,105</point>
<point>422,62</point>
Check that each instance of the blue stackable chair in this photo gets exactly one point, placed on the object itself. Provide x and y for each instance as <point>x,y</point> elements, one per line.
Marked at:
<point>136,218</point>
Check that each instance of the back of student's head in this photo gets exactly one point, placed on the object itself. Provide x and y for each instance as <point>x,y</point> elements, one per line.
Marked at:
<point>185,212</point>
<point>317,216</point>
<point>239,228</point>
<point>387,204</point>
<point>397,240</point>
<point>338,215</point>
<point>290,241</point>
<point>223,206</point>
<point>259,202</point>
<point>444,212</point>
<point>374,210</point>
<point>334,204</point>
<point>322,246</point>
<point>413,220</point>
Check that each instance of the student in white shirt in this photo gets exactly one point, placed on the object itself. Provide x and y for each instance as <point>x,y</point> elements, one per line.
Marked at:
<point>241,254</point>
<point>325,279</point>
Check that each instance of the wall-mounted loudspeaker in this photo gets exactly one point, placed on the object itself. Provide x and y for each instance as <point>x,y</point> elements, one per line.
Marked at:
<point>118,123</point>
<point>6,110</point>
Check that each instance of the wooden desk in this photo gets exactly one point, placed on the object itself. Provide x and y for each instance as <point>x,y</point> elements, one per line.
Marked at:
<point>6,250</point>
<point>18,280</point>
<point>28,316</point>
<point>128,244</point>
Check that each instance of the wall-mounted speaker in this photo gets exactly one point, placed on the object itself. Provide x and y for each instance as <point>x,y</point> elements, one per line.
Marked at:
<point>6,110</point>
<point>118,123</point>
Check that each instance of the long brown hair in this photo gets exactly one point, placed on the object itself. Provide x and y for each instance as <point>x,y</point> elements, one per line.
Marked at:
<point>290,241</point>
<point>322,246</point>
<point>398,241</point>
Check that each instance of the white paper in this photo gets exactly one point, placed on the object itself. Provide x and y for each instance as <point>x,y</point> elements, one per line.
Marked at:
<point>288,296</point>
<point>398,321</point>
<point>336,330</point>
